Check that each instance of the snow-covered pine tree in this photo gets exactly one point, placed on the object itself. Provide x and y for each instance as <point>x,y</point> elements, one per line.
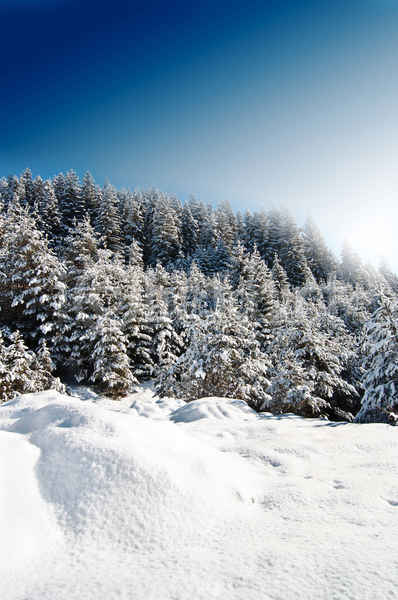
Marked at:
<point>111,366</point>
<point>189,231</point>
<point>226,224</point>
<point>223,358</point>
<point>197,297</point>
<point>273,239</point>
<point>69,195</point>
<point>260,231</point>
<point>309,354</point>
<point>32,292</point>
<point>209,234</point>
<point>281,283</point>
<point>19,362</point>
<point>351,269</point>
<point>132,217</point>
<point>176,299</point>
<point>353,306</point>
<point>22,371</point>
<point>255,294</point>
<point>239,260</point>
<point>108,224</point>
<point>198,211</point>
<point>320,258</point>
<point>166,343</point>
<point>386,271</point>
<point>240,228</point>
<point>291,250</point>
<point>49,216</point>
<point>97,289</point>
<point>10,190</point>
<point>249,239</point>
<point>26,190</point>
<point>221,259</point>
<point>133,313</point>
<point>164,244</point>
<point>81,249</point>
<point>91,196</point>
<point>44,367</point>
<point>380,402</point>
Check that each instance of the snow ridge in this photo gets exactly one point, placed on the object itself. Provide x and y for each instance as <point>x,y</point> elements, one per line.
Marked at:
<point>154,498</point>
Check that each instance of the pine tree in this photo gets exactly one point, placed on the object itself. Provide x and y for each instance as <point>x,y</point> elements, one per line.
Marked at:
<point>26,191</point>
<point>386,271</point>
<point>291,250</point>
<point>351,268</point>
<point>166,343</point>
<point>98,288</point>
<point>309,354</point>
<point>320,259</point>
<point>209,233</point>
<point>48,212</point>
<point>91,196</point>
<point>226,224</point>
<point>273,241</point>
<point>32,292</point>
<point>108,220</point>
<point>81,249</point>
<point>281,283</point>
<point>223,359</point>
<point>255,294</point>
<point>164,244</point>
<point>111,365</point>
<point>353,306</point>
<point>69,195</point>
<point>131,209</point>
<point>260,232</point>
<point>240,228</point>
<point>189,231</point>
<point>10,190</point>
<point>134,316</point>
<point>22,371</point>
<point>380,402</point>
<point>197,298</point>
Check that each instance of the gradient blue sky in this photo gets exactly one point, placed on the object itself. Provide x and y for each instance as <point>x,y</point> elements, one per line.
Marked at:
<point>266,103</point>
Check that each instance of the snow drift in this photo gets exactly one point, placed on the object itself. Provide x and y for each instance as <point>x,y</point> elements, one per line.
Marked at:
<point>151,499</point>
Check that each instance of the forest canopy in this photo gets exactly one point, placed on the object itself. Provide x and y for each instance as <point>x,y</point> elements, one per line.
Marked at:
<point>117,286</point>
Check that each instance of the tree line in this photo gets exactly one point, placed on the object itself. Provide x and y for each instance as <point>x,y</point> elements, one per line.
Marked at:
<point>115,286</point>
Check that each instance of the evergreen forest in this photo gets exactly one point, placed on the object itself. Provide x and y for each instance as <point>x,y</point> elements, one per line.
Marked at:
<point>113,287</point>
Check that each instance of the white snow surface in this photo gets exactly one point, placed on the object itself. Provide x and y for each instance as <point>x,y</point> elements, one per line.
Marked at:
<point>148,499</point>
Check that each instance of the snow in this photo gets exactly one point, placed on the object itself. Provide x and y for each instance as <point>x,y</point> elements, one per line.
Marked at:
<point>149,498</point>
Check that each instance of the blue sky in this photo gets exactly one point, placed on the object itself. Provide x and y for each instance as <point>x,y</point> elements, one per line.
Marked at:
<point>264,102</point>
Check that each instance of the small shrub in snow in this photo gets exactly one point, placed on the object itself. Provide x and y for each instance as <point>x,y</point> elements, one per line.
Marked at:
<point>22,371</point>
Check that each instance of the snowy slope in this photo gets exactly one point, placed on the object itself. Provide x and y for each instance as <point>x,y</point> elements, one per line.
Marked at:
<point>144,499</point>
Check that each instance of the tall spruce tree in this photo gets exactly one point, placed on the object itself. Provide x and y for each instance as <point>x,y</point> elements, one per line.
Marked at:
<point>111,365</point>
<point>320,258</point>
<point>380,401</point>
<point>32,292</point>
<point>108,224</point>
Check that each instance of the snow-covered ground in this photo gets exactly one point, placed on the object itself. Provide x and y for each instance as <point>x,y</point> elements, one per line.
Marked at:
<point>145,499</point>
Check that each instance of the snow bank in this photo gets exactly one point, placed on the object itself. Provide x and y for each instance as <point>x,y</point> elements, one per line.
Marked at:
<point>213,408</point>
<point>205,500</point>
